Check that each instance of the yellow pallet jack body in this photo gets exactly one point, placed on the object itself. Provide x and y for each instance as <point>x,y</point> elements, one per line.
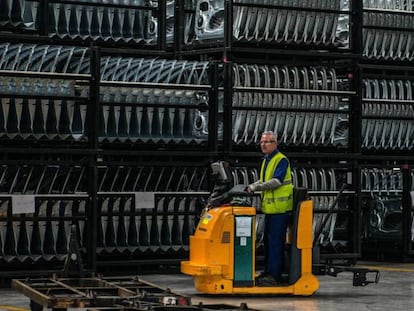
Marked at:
<point>222,253</point>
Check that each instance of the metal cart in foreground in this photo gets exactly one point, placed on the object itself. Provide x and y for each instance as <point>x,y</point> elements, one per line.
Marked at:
<point>109,293</point>
<point>95,292</point>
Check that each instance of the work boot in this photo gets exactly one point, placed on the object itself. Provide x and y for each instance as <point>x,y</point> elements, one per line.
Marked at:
<point>262,274</point>
<point>267,280</point>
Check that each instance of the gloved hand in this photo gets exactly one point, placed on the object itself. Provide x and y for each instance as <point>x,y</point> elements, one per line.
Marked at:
<point>253,187</point>
<point>267,185</point>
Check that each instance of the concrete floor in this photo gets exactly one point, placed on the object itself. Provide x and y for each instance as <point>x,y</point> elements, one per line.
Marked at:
<point>395,291</point>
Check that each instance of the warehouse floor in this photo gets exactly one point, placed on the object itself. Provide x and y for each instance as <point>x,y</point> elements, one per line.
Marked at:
<point>395,291</point>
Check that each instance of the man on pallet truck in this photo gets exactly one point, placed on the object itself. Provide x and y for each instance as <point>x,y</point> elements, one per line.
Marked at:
<point>222,248</point>
<point>276,186</point>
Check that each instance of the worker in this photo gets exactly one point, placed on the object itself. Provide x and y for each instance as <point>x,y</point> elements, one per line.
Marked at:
<point>276,188</point>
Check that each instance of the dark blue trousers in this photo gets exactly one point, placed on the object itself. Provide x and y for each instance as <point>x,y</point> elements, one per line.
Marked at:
<point>274,243</point>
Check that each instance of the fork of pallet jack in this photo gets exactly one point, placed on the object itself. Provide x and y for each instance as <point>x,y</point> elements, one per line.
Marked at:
<point>360,274</point>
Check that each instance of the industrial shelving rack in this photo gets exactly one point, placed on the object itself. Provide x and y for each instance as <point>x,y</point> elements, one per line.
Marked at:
<point>386,66</point>
<point>95,170</point>
<point>310,155</point>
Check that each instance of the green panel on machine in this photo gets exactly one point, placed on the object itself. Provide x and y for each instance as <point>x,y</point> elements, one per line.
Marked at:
<point>243,251</point>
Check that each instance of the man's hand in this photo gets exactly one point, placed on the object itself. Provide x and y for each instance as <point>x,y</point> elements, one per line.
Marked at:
<point>267,185</point>
<point>253,187</point>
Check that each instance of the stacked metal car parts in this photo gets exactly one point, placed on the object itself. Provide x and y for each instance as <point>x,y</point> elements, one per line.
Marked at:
<point>126,228</point>
<point>276,111</point>
<point>44,58</point>
<point>384,207</point>
<point>18,14</point>
<point>55,110</point>
<point>387,104</point>
<point>209,19</point>
<point>126,225</point>
<point>387,114</point>
<point>128,112</point>
<point>322,184</point>
<point>162,114</point>
<point>107,20</point>
<point>41,235</point>
<point>383,181</point>
<point>169,21</point>
<point>323,23</point>
<point>387,32</point>
<point>101,22</point>
<point>165,124</point>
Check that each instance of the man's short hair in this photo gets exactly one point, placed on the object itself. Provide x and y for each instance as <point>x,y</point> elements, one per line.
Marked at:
<point>270,133</point>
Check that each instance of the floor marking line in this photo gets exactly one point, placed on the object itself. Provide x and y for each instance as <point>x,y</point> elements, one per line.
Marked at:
<point>11,308</point>
<point>384,268</point>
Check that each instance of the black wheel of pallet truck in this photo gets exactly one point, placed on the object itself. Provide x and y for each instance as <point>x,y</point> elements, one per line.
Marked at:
<point>34,306</point>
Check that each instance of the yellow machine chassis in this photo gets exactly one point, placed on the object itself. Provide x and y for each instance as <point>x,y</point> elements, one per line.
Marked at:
<point>211,261</point>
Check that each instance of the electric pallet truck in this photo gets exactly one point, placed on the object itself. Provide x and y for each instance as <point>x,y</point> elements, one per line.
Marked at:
<point>222,249</point>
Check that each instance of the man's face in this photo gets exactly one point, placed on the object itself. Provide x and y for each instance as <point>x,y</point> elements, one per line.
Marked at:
<point>268,144</point>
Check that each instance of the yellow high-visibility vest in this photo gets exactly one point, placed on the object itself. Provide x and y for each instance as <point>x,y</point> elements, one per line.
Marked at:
<point>279,200</point>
